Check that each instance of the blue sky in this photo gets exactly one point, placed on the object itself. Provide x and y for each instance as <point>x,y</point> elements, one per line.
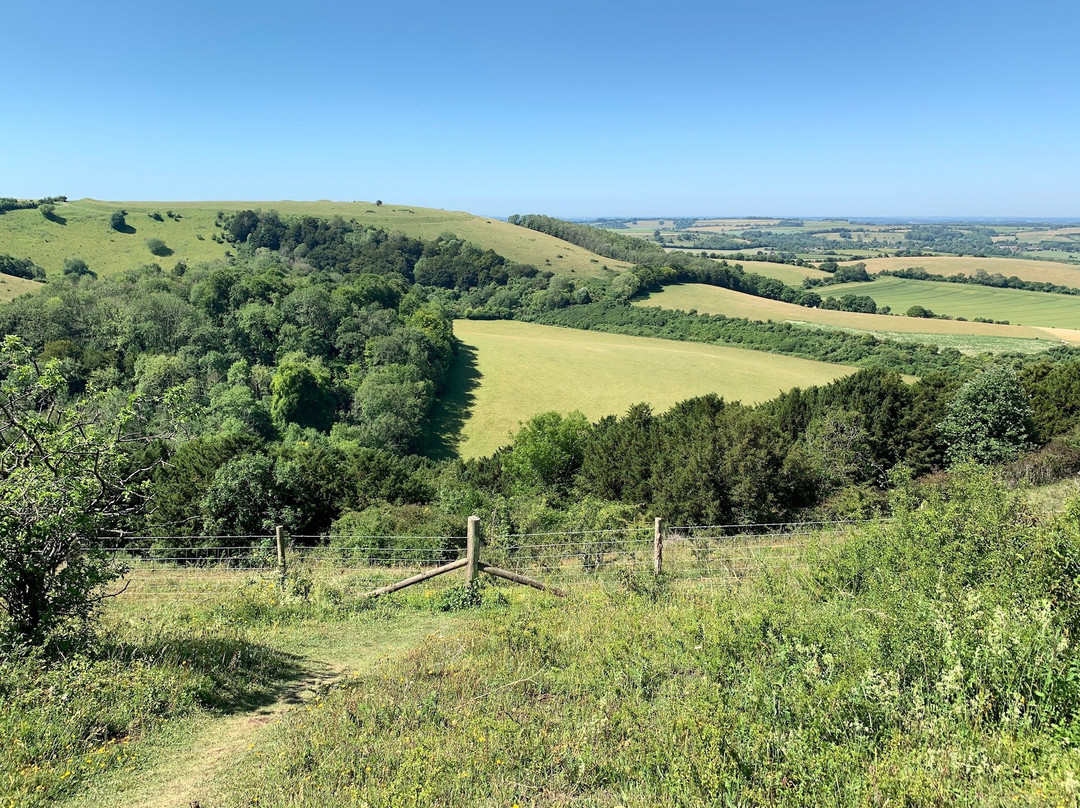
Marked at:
<point>571,109</point>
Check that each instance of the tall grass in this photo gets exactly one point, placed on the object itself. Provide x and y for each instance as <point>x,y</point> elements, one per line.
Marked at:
<point>928,662</point>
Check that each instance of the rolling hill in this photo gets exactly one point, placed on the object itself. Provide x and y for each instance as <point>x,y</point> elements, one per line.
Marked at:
<point>82,229</point>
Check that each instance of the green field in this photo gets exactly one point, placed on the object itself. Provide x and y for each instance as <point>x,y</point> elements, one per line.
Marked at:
<point>966,336</point>
<point>968,300</point>
<point>85,233</point>
<point>1026,269</point>
<point>510,371</point>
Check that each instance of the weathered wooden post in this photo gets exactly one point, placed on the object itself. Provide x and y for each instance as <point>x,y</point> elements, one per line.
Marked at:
<point>279,536</point>
<point>473,550</point>
<point>658,546</point>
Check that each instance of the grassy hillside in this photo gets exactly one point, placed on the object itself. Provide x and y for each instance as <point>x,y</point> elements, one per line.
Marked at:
<point>971,336</point>
<point>510,371</point>
<point>11,287</point>
<point>968,300</point>
<point>82,229</point>
<point>917,664</point>
<point>1026,269</point>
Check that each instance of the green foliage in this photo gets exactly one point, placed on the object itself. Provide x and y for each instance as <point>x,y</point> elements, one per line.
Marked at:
<point>461,596</point>
<point>918,311</point>
<point>76,268</point>
<point>302,394</point>
<point>989,420</point>
<point>547,451</point>
<point>21,268</point>
<point>65,475</point>
<point>1054,392</point>
<point>117,221</point>
<point>853,684</point>
<point>158,247</point>
<point>419,532</point>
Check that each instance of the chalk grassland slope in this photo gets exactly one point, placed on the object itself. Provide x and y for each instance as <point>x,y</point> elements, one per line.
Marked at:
<point>86,233</point>
<point>714,300</point>
<point>1025,269</point>
<point>11,287</point>
<point>520,369</point>
<point>968,300</point>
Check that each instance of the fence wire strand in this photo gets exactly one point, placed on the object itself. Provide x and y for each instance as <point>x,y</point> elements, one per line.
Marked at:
<point>212,566</point>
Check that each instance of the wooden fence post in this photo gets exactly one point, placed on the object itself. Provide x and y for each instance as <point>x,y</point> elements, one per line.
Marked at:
<point>279,536</point>
<point>658,546</point>
<point>473,550</point>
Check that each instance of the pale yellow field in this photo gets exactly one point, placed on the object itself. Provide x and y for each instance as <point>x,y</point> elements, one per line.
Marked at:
<point>1026,269</point>
<point>516,370</point>
<point>714,300</point>
<point>11,287</point>
<point>86,234</point>
<point>1065,233</point>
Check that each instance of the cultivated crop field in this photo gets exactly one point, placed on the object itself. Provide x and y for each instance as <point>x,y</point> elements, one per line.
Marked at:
<point>516,370</point>
<point>980,336</point>
<point>83,230</point>
<point>1026,269</point>
<point>971,301</point>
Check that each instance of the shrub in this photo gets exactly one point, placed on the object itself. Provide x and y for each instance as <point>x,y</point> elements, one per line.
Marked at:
<point>117,221</point>
<point>158,247</point>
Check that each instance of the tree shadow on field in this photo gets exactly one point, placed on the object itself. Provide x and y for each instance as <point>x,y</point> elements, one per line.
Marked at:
<point>454,406</point>
<point>127,229</point>
<point>56,218</point>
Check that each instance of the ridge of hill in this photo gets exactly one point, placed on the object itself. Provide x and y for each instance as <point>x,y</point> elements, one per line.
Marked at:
<point>81,228</point>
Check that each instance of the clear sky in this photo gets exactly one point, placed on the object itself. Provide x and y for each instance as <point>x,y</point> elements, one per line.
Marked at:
<point>943,108</point>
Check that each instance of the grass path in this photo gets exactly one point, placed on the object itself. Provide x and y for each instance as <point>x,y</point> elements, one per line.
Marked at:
<point>187,765</point>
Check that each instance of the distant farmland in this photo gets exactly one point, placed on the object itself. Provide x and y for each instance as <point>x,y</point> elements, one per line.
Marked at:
<point>714,300</point>
<point>510,371</point>
<point>971,301</point>
<point>82,230</point>
<point>1026,269</point>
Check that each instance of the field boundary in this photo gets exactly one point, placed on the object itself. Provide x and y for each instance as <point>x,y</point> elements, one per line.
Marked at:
<point>552,561</point>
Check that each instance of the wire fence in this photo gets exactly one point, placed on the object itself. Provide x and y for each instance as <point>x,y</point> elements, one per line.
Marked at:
<point>208,566</point>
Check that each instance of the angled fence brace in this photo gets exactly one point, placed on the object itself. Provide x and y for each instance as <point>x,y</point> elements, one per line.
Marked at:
<point>474,566</point>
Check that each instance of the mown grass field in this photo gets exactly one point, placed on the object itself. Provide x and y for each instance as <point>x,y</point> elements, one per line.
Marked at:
<point>974,336</point>
<point>968,300</point>
<point>516,370</point>
<point>86,233</point>
<point>1023,268</point>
